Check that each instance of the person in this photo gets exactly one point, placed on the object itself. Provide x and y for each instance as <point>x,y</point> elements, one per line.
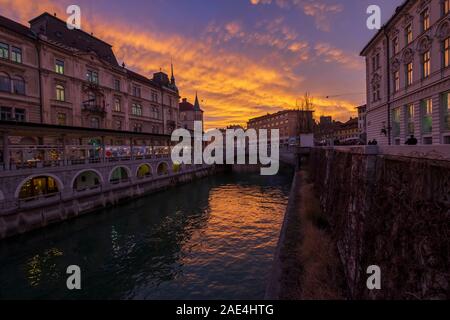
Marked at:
<point>412,141</point>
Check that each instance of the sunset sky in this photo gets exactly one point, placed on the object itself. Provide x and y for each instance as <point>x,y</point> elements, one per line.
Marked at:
<point>244,57</point>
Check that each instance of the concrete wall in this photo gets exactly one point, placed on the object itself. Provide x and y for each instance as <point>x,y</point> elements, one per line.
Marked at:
<point>388,210</point>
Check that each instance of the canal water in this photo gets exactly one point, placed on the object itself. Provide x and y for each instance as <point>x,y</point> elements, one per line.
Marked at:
<point>211,239</point>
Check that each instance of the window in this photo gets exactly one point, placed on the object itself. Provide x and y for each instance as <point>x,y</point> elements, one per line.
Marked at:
<point>95,123</point>
<point>445,6</point>
<point>19,114</point>
<point>446,110</point>
<point>396,81</point>
<point>5,113</point>
<point>117,84</point>
<point>409,74</point>
<point>118,125</point>
<point>5,83</point>
<point>425,19</point>
<point>426,64</point>
<point>137,127</point>
<point>446,52</point>
<point>92,76</point>
<point>396,122</point>
<point>395,46</point>
<point>16,54</point>
<point>410,119</point>
<point>59,66</point>
<point>18,85</point>
<point>409,34</point>
<point>154,96</point>
<point>60,93</point>
<point>376,92</point>
<point>117,105</point>
<point>61,119</point>
<point>4,50</point>
<point>136,109</point>
<point>427,115</point>
<point>137,92</point>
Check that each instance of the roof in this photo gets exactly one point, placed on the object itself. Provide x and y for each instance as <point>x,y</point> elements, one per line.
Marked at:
<point>56,30</point>
<point>398,10</point>
<point>16,27</point>
<point>270,115</point>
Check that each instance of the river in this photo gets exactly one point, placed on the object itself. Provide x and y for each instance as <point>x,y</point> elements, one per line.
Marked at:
<point>211,239</point>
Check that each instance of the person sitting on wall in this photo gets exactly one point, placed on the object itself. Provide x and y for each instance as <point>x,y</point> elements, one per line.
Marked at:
<point>412,141</point>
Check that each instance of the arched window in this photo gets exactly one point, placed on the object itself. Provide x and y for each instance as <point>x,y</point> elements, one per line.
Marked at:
<point>18,85</point>
<point>119,175</point>
<point>38,186</point>
<point>60,93</point>
<point>5,82</point>
<point>86,180</point>
<point>144,171</point>
<point>163,169</point>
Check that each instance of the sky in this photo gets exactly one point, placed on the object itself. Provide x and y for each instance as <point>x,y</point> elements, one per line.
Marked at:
<point>245,58</point>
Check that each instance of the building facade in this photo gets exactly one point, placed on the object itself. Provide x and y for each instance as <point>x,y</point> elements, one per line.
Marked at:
<point>408,75</point>
<point>52,75</point>
<point>290,123</point>
<point>189,113</point>
<point>362,123</point>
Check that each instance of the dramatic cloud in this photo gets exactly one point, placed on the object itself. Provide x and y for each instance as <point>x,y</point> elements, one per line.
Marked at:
<point>240,70</point>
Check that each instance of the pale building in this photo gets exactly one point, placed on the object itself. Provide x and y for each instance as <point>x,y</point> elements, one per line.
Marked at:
<point>189,113</point>
<point>52,75</point>
<point>408,75</point>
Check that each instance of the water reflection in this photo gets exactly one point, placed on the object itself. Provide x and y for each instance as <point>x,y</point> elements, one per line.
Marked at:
<point>210,239</point>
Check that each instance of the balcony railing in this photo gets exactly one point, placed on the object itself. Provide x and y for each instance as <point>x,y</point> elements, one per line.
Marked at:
<point>94,108</point>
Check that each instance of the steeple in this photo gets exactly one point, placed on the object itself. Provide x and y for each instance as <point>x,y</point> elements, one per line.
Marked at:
<point>172,78</point>
<point>196,104</point>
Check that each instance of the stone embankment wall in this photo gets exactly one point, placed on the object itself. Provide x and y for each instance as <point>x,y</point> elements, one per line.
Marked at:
<point>392,211</point>
<point>76,204</point>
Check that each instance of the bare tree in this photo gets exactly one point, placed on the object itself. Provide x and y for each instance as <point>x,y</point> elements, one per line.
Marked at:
<point>306,106</point>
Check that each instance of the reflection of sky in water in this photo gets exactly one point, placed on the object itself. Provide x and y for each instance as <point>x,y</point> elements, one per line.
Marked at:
<point>213,238</point>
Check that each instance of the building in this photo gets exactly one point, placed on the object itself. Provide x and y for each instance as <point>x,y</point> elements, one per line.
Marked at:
<point>348,133</point>
<point>290,123</point>
<point>189,113</point>
<point>362,123</point>
<point>408,75</point>
<point>52,75</point>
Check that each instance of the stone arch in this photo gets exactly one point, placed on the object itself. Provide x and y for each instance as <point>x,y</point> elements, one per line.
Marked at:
<point>424,44</point>
<point>443,30</point>
<point>144,170</point>
<point>162,168</point>
<point>119,173</point>
<point>59,183</point>
<point>90,180</point>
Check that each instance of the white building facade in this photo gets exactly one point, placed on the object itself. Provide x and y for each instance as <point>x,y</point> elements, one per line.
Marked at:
<point>408,75</point>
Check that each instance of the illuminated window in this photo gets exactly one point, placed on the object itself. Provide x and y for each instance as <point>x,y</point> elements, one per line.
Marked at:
<point>4,50</point>
<point>144,171</point>
<point>117,105</point>
<point>59,66</point>
<point>425,19</point>
<point>39,186</point>
<point>446,52</point>
<point>60,93</point>
<point>426,64</point>
<point>16,54</point>
<point>409,34</point>
<point>445,6</point>
<point>409,74</point>
<point>396,122</point>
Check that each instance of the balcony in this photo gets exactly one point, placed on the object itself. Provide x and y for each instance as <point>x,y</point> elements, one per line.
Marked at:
<point>94,108</point>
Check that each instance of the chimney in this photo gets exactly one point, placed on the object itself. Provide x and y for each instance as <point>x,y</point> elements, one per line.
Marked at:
<point>184,99</point>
